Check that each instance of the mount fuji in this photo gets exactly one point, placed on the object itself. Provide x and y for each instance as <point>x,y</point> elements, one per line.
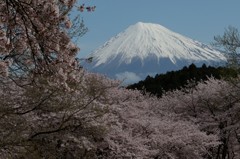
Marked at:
<point>148,49</point>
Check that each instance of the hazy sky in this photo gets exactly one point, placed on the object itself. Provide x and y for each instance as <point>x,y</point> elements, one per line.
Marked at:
<point>196,19</point>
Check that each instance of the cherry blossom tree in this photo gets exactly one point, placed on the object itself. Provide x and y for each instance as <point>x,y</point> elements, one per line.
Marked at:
<point>213,105</point>
<point>48,102</point>
<point>139,127</point>
<point>36,35</point>
<point>48,121</point>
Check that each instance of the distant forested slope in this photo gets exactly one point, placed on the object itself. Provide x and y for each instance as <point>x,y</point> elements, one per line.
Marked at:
<point>178,79</point>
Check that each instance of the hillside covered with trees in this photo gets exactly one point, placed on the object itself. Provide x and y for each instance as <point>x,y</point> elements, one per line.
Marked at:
<point>173,80</point>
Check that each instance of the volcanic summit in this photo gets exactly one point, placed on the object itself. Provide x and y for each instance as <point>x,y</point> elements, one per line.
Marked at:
<point>147,49</point>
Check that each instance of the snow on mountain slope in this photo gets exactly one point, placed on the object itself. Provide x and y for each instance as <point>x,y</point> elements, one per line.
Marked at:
<point>146,48</point>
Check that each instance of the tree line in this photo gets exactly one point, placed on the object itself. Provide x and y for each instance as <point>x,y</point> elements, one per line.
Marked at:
<point>173,80</point>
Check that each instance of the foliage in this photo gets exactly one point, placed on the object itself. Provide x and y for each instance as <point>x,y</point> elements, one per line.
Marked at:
<point>32,43</point>
<point>138,127</point>
<point>178,79</point>
<point>48,102</point>
<point>214,105</point>
<point>47,121</point>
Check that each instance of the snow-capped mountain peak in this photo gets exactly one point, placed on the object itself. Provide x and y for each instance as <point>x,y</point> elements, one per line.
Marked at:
<point>147,49</point>
<point>146,39</point>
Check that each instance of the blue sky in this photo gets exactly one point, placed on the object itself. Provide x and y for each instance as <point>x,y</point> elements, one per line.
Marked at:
<point>198,19</point>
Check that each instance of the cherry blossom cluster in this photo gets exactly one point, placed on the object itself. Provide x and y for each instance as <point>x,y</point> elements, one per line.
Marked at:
<point>88,8</point>
<point>31,42</point>
<point>213,105</point>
